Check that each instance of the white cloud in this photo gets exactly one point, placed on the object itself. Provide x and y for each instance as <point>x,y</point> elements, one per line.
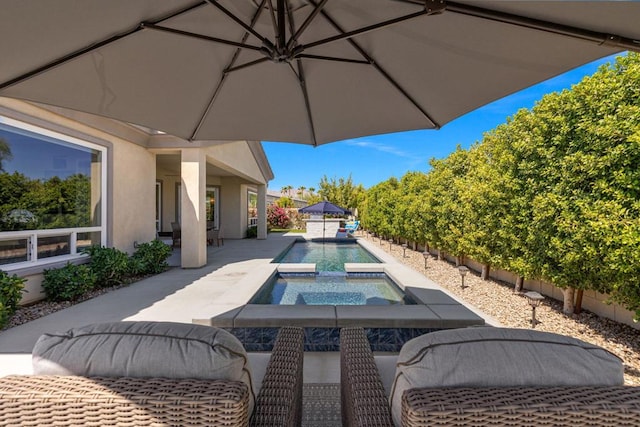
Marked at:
<point>380,147</point>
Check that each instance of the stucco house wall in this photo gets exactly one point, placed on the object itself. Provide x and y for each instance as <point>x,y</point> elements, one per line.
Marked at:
<point>132,173</point>
<point>133,196</point>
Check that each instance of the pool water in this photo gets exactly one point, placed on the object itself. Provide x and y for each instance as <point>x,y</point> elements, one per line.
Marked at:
<point>330,289</point>
<point>328,256</point>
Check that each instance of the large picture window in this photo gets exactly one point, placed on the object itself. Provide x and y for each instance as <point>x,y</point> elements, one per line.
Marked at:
<point>51,193</point>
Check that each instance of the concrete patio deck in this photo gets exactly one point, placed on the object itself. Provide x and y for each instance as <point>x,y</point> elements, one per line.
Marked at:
<point>181,295</point>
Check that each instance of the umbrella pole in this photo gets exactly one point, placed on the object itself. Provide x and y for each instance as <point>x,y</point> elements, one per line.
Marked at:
<point>324,227</point>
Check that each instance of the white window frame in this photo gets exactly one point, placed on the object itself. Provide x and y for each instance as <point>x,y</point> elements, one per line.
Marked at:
<point>32,235</point>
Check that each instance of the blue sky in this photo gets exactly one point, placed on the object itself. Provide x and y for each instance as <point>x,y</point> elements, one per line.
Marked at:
<point>374,159</point>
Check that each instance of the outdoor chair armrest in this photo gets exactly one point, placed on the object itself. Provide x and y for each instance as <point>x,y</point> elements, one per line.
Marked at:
<point>362,394</point>
<point>522,406</point>
<point>279,402</point>
<point>47,400</point>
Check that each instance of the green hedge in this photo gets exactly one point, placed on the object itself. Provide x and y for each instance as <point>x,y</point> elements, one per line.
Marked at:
<point>551,194</point>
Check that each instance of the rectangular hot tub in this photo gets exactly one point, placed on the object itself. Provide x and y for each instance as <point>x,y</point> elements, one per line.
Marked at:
<point>330,289</point>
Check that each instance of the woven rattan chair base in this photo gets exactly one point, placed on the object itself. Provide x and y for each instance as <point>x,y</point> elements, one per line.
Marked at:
<point>119,401</point>
<point>554,406</point>
<point>72,400</point>
<point>364,402</point>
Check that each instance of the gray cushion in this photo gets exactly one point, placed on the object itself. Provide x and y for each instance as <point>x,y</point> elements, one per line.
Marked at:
<point>143,349</point>
<point>499,357</point>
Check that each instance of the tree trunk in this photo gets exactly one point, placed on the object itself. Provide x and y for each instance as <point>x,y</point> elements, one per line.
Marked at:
<point>568,295</point>
<point>519,284</point>
<point>578,308</point>
<point>486,268</point>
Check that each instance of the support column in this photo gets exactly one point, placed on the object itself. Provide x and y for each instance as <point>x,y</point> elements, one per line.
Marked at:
<point>193,223</point>
<point>262,211</point>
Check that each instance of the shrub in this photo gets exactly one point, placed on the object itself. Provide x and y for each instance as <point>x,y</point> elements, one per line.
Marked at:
<point>4,315</point>
<point>68,283</point>
<point>277,217</point>
<point>252,232</point>
<point>110,265</point>
<point>296,219</point>
<point>150,258</point>
<point>11,289</point>
<point>285,202</point>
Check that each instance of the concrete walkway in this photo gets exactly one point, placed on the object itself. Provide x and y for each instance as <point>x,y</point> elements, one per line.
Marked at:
<point>232,275</point>
<point>177,295</point>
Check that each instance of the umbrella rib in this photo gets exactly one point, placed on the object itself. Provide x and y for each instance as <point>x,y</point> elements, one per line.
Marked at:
<point>307,104</point>
<point>336,59</point>
<point>350,34</point>
<point>233,68</point>
<point>247,28</point>
<point>281,34</point>
<point>94,46</point>
<point>201,36</point>
<point>540,25</point>
<point>228,69</point>
<point>272,14</point>
<point>305,24</point>
<point>303,83</point>
<point>380,70</point>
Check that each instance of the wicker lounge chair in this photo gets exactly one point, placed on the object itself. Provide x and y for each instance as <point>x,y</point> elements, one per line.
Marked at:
<point>46,400</point>
<point>365,403</point>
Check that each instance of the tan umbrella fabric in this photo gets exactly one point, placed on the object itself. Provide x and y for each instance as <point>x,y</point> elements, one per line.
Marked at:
<point>306,71</point>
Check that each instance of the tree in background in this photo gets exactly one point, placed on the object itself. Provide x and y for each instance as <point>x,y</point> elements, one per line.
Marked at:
<point>342,192</point>
<point>285,202</point>
<point>301,191</point>
<point>286,190</point>
<point>509,181</point>
<point>378,210</point>
<point>586,227</point>
<point>411,220</point>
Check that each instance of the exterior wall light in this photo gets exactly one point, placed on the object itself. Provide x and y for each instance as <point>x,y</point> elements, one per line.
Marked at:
<point>534,299</point>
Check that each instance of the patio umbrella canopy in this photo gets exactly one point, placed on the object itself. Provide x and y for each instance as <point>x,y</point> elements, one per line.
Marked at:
<point>307,71</point>
<point>324,208</point>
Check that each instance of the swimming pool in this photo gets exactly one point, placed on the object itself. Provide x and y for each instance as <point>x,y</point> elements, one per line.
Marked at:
<point>330,289</point>
<point>328,256</point>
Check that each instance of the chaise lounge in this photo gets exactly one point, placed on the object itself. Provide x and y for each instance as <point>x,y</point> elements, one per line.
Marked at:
<point>156,373</point>
<point>484,376</point>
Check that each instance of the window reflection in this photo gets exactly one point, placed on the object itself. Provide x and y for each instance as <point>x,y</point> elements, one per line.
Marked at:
<point>53,246</point>
<point>14,250</point>
<point>47,183</point>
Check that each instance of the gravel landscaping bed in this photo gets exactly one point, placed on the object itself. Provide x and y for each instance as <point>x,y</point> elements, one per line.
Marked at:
<point>499,301</point>
<point>42,308</point>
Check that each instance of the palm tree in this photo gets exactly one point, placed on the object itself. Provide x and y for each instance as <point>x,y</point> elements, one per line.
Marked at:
<point>301,190</point>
